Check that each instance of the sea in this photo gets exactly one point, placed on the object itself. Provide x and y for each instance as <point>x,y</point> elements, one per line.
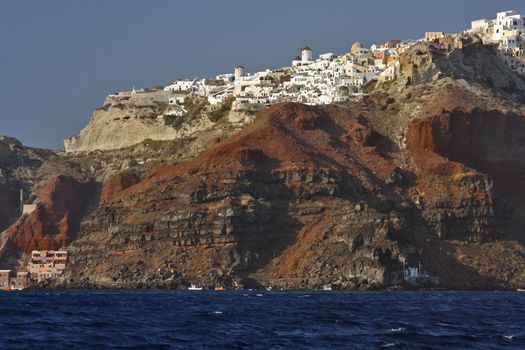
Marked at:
<point>261,320</point>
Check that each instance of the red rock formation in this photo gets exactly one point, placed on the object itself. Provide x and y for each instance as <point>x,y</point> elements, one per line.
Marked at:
<point>113,187</point>
<point>488,141</point>
<point>284,136</point>
<point>306,195</point>
<point>470,148</point>
<point>62,203</point>
<point>254,194</point>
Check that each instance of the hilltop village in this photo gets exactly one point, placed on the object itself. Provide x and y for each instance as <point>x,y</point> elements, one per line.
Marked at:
<point>189,106</point>
<point>328,79</point>
<point>332,78</point>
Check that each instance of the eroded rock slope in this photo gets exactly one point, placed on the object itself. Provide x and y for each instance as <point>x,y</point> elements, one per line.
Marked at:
<point>425,169</point>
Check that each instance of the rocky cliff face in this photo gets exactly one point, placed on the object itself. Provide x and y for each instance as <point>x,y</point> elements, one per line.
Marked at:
<point>18,171</point>
<point>422,169</point>
<point>62,203</point>
<point>238,204</point>
<point>305,197</point>
<point>126,120</point>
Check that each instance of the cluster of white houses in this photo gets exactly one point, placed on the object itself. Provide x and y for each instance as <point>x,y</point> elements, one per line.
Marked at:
<point>333,78</point>
<point>507,33</point>
<point>327,79</point>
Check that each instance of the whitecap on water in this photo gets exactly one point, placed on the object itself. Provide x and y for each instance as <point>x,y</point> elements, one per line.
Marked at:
<point>259,295</point>
<point>508,337</point>
<point>397,330</point>
<point>217,312</point>
<point>388,345</point>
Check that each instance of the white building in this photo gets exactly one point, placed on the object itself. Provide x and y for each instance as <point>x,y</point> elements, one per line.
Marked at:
<point>220,96</point>
<point>239,72</point>
<point>481,25</point>
<point>511,42</point>
<point>327,56</point>
<point>306,57</point>
<point>181,85</point>
<point>176,112</point>
<point>505,22</point>
<point>388,74</point>
<point>507,32</point>
<point>177,99</point>
<point>306,54</point>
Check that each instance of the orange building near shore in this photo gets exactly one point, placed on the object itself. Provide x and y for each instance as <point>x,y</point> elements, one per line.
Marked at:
<point>47,263</point>
<point>11,280</point>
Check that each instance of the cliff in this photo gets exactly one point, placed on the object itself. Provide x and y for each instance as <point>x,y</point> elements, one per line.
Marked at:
<point>18,171</point>
<point>423,169</point>
<point>62,202</point>
<point>125,120</point>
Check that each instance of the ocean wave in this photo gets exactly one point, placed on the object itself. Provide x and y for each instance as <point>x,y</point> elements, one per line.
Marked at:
<point>397,330</point>
<point>173,319</point>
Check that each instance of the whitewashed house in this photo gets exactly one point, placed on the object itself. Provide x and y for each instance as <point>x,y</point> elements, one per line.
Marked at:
<point>505,22</point>
<point>220,96</point>
<point>482,26</point>
<point>176,99</point>
<point>178,111</point>
<point>181,85</point>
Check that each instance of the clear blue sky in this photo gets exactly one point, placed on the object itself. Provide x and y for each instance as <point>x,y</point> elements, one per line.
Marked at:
<point>59,59</point>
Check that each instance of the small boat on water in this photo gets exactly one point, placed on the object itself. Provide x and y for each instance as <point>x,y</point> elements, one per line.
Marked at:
<point>194,287</point>
<point>221,288</point>
<point>327,287</point>
<point>520,290</point>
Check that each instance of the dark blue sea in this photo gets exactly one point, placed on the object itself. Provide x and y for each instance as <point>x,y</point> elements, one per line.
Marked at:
<point>261,320</point>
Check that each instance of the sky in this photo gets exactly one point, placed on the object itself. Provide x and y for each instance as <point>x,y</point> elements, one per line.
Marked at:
<point>59,59</point>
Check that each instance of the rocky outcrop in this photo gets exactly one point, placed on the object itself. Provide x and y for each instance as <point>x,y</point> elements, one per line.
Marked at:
<point>9,207</point>
<point>62,203</point>
<point>488,141</point>
<point>127,119</point>
<point>18,168</point>
<point>485,151</point>
<point>114,186</point>
<point>476,63</point>
<point>232,196</point>
<point>304,197</point>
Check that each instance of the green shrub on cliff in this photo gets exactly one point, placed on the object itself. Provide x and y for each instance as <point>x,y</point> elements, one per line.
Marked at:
<point>195,106</point>
<point>222,111</point>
